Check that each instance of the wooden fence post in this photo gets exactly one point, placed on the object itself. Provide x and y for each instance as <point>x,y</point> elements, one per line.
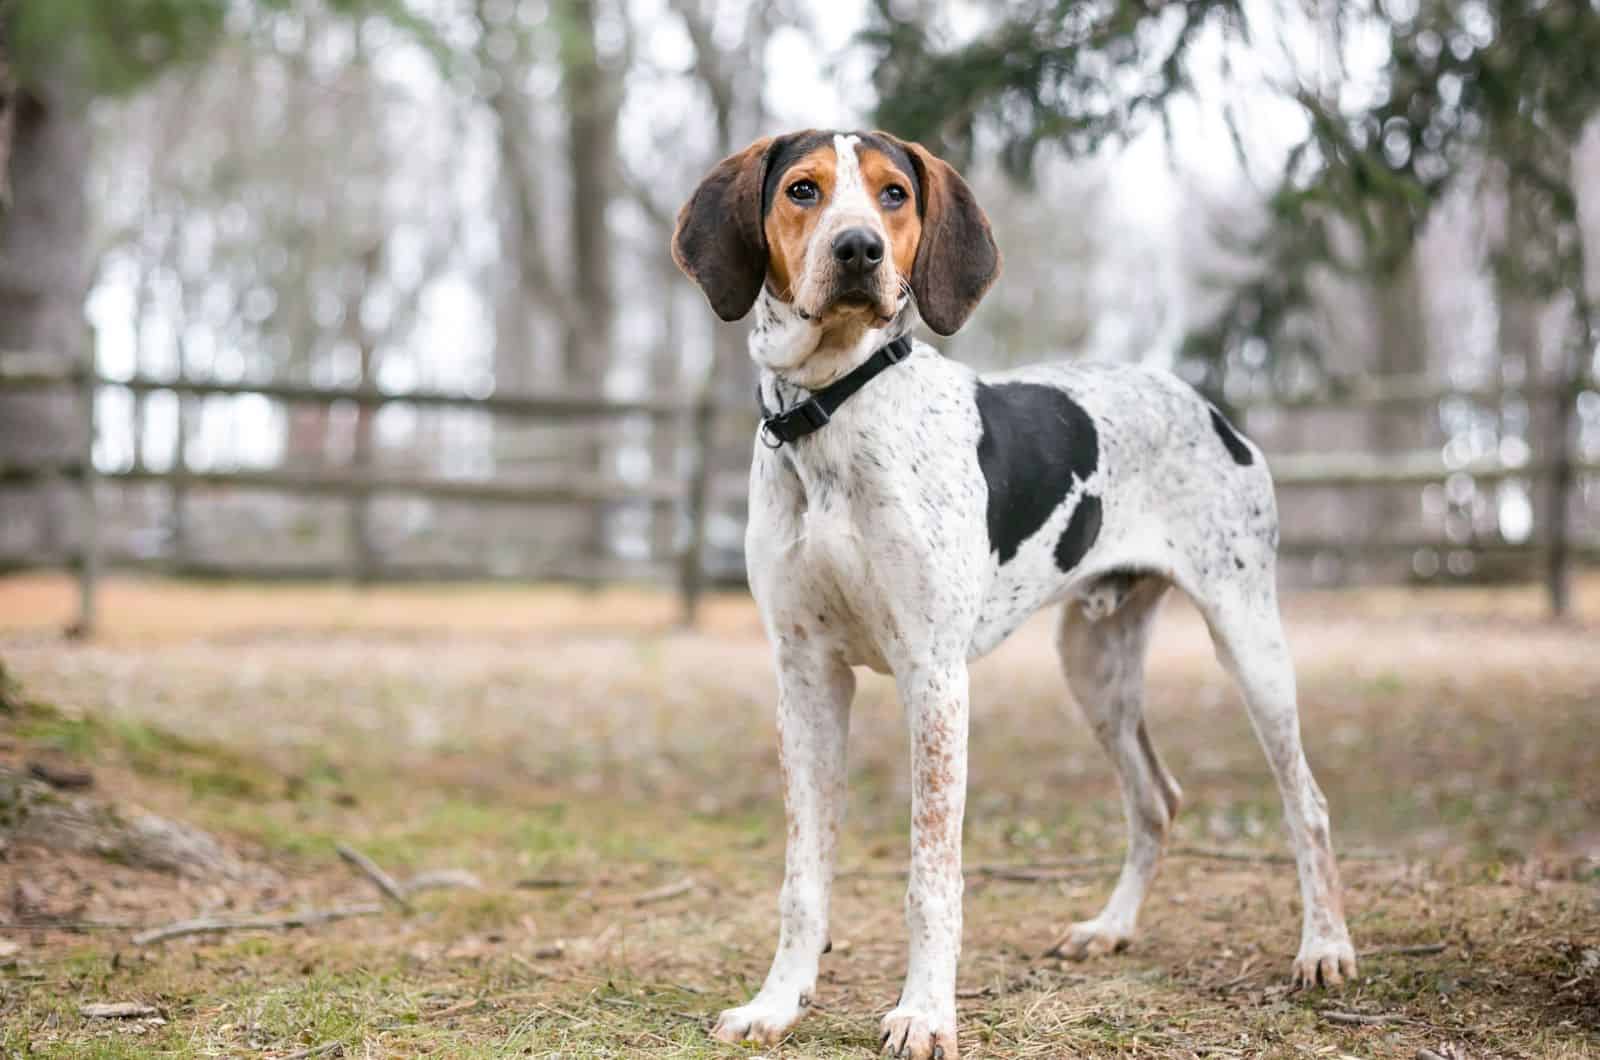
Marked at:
<point>691,570</point>
<point>178,486</point>
<point>1558,569</point>
<point>88,514</point>
<point>360,551</point>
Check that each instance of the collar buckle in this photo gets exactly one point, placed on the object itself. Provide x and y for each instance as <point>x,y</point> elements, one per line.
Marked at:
<point>787,426</point>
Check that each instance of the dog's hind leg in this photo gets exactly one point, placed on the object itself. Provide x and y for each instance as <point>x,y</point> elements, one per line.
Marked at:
<point>1247,631</point>
<point>1102,644</point>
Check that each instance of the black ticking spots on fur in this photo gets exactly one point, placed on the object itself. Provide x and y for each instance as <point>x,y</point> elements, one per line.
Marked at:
<point>1236,448</point>
<point>1037,444</point>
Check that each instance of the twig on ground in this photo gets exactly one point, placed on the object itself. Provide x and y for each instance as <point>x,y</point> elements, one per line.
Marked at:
<point>61,775</point>
<point>1246,970</point>
<point>210,925</point>
<point>1253,857</point>
<point>872,874</point>
<point>1425,950</point>
<point>313,1050</point>
<point>442,879</point>
<point>546,883</point>
<point>116,1010</point>
<point>1030,874</point>
<point>380,879</point>
<point>1039,872</point>
<point>660,894</point>
<point>41,923</point>
<point>1359,1019</point>
<point>455,1010</point>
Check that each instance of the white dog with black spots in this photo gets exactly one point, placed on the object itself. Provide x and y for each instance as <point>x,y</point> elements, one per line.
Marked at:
<point>926,511</point>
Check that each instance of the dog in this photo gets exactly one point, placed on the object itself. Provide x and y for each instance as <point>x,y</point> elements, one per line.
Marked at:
<point>907,514</point>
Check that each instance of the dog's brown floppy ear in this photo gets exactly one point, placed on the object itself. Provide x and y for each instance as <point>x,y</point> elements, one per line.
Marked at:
<point>957,259</point>
<point>719,242</point>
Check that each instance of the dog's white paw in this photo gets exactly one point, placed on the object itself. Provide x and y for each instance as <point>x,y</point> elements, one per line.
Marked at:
<point>920,1032</point>
<point>764,1020</point>
<point>1324,962</point>
<point>1090,938</point>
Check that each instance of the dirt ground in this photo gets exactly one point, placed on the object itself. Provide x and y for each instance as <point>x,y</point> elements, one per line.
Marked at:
<point>612,783</point>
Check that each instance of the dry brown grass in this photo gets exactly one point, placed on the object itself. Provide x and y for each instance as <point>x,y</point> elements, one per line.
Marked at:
<point>562,734</point>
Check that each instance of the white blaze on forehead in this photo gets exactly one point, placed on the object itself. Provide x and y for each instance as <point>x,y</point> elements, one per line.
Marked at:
<point>849,189</point>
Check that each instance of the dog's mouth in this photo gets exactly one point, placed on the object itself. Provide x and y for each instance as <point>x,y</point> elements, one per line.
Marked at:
<point>858,300</point>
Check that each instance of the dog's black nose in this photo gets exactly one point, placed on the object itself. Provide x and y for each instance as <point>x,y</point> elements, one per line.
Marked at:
<point>858,250</point>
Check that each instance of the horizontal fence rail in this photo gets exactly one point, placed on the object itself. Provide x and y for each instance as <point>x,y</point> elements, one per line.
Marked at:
<point>1370,392</point>
<point>694,493</point>
<point>1401,469</point>
<point>551,405</point>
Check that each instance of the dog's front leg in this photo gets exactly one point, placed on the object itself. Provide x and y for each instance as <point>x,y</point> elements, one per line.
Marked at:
<point>923,1024</point>
<point>813,724</point>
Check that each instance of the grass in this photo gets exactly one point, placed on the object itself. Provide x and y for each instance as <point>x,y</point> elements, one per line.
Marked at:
<point>548,734</point>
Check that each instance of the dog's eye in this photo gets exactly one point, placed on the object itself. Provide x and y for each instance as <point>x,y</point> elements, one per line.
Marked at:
<point>804,191</point>
<point>892,196</point>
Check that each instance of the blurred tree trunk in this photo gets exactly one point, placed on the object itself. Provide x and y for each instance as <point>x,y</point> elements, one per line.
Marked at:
<point>1520,343</point>
<point>360,531</point>
<point>1401,349</point>
<point>516,223</point>
<point>8,114</point>
<point>732,374</point>
<point>592,95</point>
<point>43,281</point>
<point>1528,249</point>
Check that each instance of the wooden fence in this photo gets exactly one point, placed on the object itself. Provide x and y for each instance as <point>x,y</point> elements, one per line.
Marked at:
<point>690,495</point>
<point>358,483</point>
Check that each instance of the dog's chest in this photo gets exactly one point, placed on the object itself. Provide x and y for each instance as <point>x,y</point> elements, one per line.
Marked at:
<point>843,571</point>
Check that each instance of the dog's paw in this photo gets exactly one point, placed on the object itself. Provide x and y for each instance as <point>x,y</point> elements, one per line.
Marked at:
<point>1089,938</point>
<point>919,1033</point>
<point>763,1020</point>
<point>1324,962</point>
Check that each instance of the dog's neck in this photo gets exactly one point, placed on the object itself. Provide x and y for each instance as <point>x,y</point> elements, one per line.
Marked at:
<point>798,355</point>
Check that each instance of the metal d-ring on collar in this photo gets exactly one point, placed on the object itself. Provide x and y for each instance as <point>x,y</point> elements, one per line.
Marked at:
<point>814,413</point>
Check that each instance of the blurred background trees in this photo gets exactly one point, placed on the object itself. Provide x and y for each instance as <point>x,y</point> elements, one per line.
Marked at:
<point>1275,198</point>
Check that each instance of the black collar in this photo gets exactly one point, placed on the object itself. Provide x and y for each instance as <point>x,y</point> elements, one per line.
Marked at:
<point>814,413</point>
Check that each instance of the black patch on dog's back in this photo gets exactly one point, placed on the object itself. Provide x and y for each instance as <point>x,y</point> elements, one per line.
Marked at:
<point>1236,448</point>
<point>1036,444</point>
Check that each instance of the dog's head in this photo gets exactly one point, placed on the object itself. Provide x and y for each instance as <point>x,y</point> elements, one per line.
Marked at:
<point>842,227</point>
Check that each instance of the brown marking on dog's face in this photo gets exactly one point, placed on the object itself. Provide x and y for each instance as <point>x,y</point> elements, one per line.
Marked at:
<point>783,203</point>
<point>790,224</point>
<point>895,193</point>
<point>823,188</point>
